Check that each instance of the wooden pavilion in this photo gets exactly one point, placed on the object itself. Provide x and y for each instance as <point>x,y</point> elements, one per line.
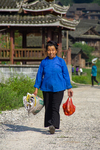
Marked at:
<point>32,17</point>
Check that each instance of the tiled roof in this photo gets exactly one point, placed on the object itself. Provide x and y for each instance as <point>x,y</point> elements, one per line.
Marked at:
<point>45,6</point>
<point>70,14</point>
<point>33,6</point>
<point>14,13</point>
<point>83,27</point>
<point>90,37</point>
<point>93,14</point>
<point>24,20</point>
<point>75,50</point>
<point>85,7</point>
<point>8,4</point>
<point>27,19</point>
<point>98,28</point>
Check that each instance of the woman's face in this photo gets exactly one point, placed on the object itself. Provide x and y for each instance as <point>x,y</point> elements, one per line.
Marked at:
<point>51,52</point>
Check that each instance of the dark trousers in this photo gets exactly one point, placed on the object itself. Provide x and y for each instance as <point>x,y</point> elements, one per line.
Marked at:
<point>52,101</point>
<point>93,78</point>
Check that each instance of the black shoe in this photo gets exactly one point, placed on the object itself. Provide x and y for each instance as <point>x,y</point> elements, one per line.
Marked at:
<point>52,129</point>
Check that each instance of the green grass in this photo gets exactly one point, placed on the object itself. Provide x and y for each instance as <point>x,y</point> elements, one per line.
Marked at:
<point>12,92</point>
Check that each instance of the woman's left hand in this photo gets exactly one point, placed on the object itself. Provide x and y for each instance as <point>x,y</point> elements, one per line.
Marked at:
<point>70,92</point>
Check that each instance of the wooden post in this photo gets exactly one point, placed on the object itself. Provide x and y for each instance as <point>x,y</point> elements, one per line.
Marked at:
<point>24,40</point>
<point>11,46</point>
<point>66,39</point>
<point>24,45</point>
<point>69,56</point>
<point>7,45</point>
<point>43,39</point>
<point>43,42</point>
<point>60,43</point>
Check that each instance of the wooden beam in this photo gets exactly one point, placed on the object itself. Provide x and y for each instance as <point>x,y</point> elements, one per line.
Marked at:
<point>24,40</point>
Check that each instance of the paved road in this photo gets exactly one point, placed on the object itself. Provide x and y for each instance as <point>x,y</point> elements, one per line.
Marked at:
<point>81,131</point>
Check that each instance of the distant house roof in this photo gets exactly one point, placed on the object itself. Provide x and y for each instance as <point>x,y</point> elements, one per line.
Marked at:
<point>98,28</point>
<point>92,14</point>
<point>70,14</point>
<point>77,50</point>
<point>85,7</point>
<point>83,27</point>
<point>59,3</point>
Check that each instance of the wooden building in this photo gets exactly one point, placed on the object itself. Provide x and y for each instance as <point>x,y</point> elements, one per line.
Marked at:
<point>36,17</point>
<point>78,57</point>
<point>84,11</point>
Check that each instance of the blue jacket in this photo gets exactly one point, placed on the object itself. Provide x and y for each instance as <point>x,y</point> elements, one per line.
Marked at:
<point>53,75</point>
<point>94,70</point>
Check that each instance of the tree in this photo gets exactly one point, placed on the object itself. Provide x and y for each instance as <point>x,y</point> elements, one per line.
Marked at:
<point>96,1</point>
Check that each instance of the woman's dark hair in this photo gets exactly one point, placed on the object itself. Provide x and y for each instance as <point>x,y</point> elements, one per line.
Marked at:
<point>51,43</point>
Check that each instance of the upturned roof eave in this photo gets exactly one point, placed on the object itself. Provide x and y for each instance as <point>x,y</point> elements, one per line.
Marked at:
<point>43,10</point>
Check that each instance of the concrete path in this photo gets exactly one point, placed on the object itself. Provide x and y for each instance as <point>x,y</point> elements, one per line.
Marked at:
<point>81,131</point>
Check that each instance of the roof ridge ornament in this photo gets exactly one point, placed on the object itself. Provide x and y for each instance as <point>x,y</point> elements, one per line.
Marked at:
<point>19,4</point>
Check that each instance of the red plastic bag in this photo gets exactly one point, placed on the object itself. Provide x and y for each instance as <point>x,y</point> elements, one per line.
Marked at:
<point>69,107</point>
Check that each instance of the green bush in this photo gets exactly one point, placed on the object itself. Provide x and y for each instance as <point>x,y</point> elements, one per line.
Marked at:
<point>12,92</point>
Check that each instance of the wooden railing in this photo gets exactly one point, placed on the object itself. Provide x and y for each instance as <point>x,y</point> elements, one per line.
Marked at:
<point>29,54</point>
<point>24,54</point>
<point>4,54</point>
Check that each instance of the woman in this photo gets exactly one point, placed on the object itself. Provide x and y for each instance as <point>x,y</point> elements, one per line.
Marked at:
<point>52,78</point>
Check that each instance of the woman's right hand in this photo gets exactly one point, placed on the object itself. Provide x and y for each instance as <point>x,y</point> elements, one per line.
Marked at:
<point>36,91</point>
